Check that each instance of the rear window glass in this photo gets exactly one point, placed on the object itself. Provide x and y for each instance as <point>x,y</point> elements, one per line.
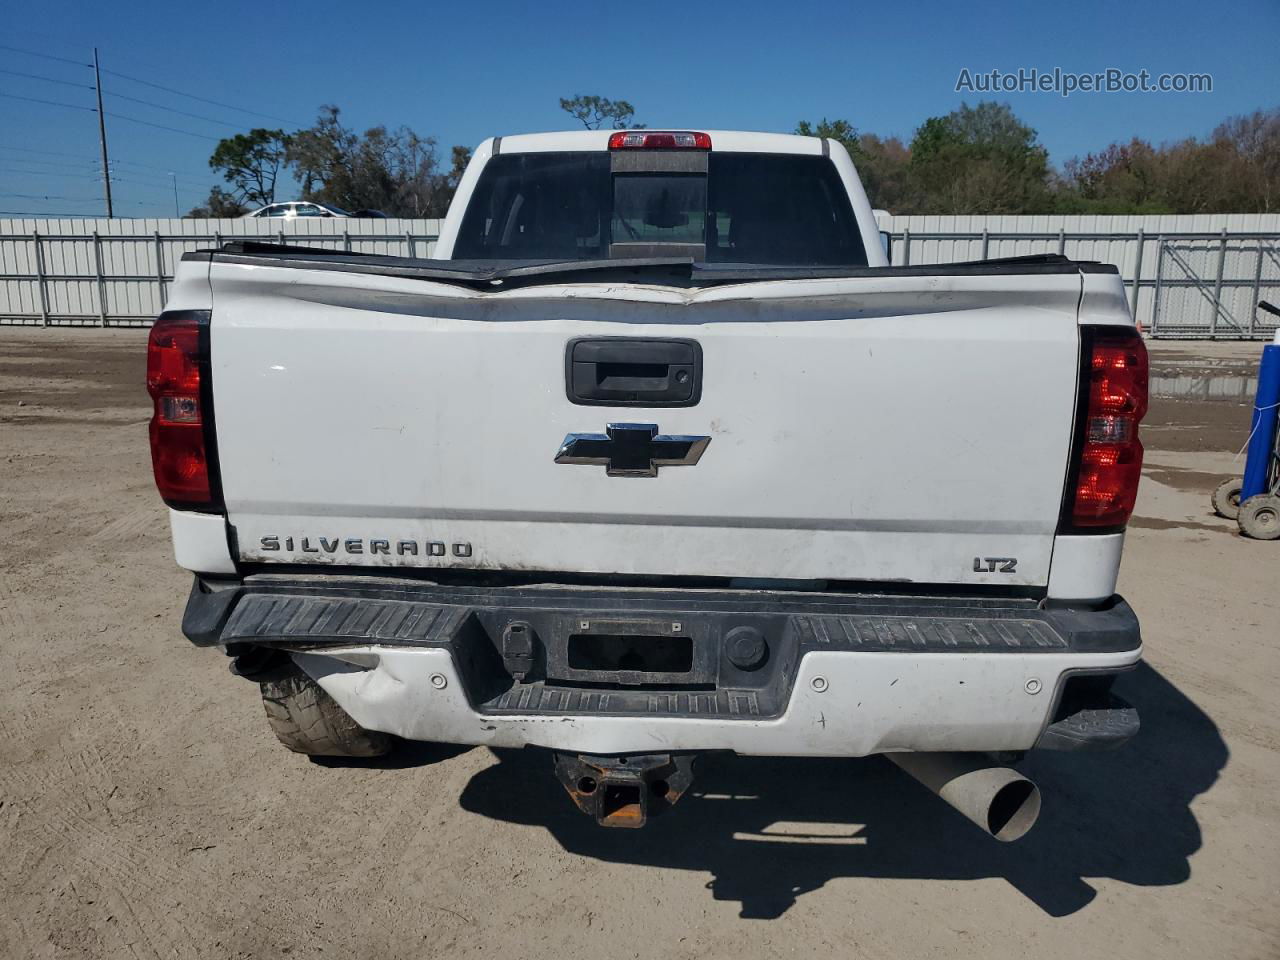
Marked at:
<point>658,208</point>
<point>538,206</point>
<point>774,208</point>
<point>748,208</point>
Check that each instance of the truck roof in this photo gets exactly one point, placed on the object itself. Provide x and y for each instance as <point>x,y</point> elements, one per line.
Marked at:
<point>736,141</point>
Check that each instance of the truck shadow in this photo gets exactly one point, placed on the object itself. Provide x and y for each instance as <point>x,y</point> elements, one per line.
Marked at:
<point>770,830</point>
<point>406,755</point>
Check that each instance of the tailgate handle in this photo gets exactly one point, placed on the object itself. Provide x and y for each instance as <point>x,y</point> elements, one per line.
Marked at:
<point>633,372</point>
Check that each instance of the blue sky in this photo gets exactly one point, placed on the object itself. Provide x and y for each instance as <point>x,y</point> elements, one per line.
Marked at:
<point>461,72</point>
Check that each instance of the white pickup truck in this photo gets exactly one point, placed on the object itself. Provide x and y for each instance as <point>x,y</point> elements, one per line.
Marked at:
<point>660,456</point>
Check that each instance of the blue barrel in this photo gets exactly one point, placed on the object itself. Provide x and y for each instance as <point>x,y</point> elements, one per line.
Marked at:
<point>1262,427</point>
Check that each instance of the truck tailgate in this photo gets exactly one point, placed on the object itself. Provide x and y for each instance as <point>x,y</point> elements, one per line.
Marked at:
<point>888,428</point>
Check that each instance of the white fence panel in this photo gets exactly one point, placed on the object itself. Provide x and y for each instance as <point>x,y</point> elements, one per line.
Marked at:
<point>1168,298</point>
<point>114,272</point>
<point>1185,276</point>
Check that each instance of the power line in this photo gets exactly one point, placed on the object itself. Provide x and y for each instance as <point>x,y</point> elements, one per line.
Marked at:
<point>139,183</point>
<point>150,178</point>
<point>46,56</point>
<point>118,116</point>
<point>107,170</point>
<point>36,76</point>
<point>46,173</point>
<point>166,183</point>
<point>96,164</point>
<point>51,153</point>
<point>145,83</point>
<point>188,181</point>
<point>164,170</point>
<point>34,196</point>
<point>53,164</point>
<point>92,172</point>
<point>52,103</point>
<point>145,182</point>
<point>56,214</point>
<point>160,126</point>
<point>119,96</point>
<point>159,106</point>
<point>192,96</point>
<point>155,184</point>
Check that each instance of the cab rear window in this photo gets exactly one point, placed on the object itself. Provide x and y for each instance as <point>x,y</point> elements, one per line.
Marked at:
<point>747,208</point>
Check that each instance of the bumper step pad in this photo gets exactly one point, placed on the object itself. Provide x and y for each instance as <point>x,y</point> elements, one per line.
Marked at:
<point>299,618</point>
<point>1102,726</point>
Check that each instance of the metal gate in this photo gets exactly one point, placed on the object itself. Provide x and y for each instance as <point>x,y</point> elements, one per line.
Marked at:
<point>1209,286</point>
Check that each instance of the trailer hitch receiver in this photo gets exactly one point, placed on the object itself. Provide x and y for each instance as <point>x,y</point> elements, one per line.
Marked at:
<point>625,791</point>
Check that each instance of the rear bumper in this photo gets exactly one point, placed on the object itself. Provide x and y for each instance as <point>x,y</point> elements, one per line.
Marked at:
<point>842,674</point>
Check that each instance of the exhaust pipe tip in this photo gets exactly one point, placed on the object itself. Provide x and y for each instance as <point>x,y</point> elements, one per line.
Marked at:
<point>998,799</point>
<point>1013,810</point>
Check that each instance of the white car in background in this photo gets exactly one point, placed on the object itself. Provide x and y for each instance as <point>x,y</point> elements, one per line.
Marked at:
<point>296,208</point>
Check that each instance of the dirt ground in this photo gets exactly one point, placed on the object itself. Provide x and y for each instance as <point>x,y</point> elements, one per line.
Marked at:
<point>146,811</point>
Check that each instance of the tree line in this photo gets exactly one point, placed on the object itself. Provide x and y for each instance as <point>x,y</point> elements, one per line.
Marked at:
<point>398,171</point>
<point>982,160</point>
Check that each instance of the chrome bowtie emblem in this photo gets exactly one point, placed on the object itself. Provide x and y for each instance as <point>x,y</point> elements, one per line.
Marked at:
<point>631,450</point>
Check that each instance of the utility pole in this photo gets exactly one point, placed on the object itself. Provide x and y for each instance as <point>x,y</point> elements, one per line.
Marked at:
<point>176,212</point>
<point>102,134</point>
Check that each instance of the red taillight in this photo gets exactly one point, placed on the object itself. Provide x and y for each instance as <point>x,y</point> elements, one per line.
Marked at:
<point>659,140</point>
<point>176,371</point>
<point>1110,453</point>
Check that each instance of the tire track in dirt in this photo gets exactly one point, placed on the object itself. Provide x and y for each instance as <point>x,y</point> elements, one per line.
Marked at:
<point>95,863</point>
<point>45,822</point>
<point>61,813</point>
<point>130,526</point>
<point>26,786</point>
<point>14,608</point>
<point>142,874</point>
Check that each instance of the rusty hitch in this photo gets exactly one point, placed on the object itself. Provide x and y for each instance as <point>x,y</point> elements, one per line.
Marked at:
<point>625,791</point>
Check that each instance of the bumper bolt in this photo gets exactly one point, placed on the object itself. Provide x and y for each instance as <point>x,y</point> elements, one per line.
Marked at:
<point>1032,686</point>
<point>438,681</point>
<point>819,684</point>
<point>746,648</point>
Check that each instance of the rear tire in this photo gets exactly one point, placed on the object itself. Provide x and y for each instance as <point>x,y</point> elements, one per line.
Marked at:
<point>1260,517</point>
<point>307,720</point>
<point>1226,499</point>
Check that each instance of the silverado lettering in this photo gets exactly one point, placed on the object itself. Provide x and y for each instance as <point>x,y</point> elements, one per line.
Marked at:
<point>373,546</point>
